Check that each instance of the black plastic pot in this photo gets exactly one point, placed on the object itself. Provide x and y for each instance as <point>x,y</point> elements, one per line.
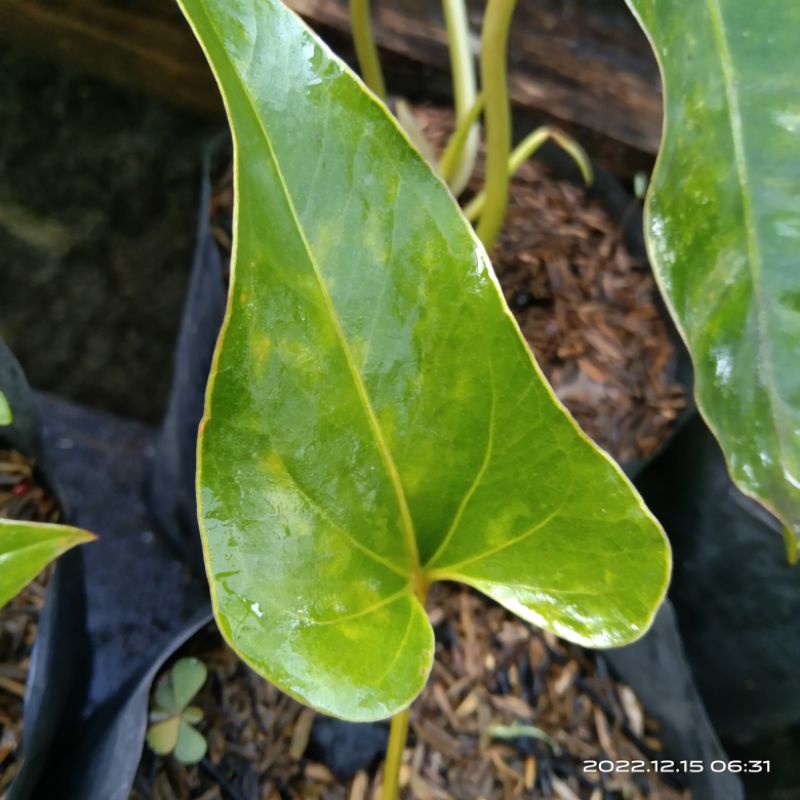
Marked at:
<point>656,666</point>
<point>736,596</point>
<point>118,608</point>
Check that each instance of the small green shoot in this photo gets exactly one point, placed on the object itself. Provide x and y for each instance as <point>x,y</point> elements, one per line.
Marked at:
<point>517,731</point>
<point>6,417</point>
<point>172,731</point>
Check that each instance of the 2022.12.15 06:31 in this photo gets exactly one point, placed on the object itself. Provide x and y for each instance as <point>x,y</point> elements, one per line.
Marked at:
<point>667,765</point>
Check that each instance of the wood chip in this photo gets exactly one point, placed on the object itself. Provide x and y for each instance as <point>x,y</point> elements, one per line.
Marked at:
<point>360,786</point>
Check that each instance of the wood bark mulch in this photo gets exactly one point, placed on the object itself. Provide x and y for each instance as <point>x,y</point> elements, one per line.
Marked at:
<point>494,676</point>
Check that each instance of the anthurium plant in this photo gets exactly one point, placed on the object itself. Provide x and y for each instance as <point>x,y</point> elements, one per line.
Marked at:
<point>173,719</point>
<point>374,419</point>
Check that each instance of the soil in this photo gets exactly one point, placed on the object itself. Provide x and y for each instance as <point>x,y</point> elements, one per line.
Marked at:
<point>587,309</point>
<point>21,497</point>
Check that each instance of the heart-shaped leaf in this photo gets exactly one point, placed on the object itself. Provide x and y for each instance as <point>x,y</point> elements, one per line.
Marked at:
<point>374,419</point>
<point>723,221</point>
<point>26,548</point>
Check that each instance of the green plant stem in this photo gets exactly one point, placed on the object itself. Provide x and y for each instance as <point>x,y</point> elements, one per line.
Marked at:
<point>494,44</point>
<point>524,150</point>
<point>790,540</point>
<point>451,156</point>
<point>366,51</point>
<point>462,68</point>
<point>398,733</point>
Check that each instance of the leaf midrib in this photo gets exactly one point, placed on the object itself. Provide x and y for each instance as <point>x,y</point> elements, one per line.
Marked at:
<point>377,432</point>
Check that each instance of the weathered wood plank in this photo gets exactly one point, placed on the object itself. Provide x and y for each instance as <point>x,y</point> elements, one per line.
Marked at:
<point>583,64</point>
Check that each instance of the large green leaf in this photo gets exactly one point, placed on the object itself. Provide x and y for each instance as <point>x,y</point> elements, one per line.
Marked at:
<point>374,419</point>
<point>723,220</point>
<point>26,548</point>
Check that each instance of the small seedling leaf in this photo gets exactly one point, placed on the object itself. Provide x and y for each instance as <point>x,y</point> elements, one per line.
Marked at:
<point>723,223</point>
<point>188,676</point>
<point>374,418</point>
<point>193,715</point>
<point>26,548</point>
<point>164,696</point>
<point>163,736</point>
<point>191,746</point>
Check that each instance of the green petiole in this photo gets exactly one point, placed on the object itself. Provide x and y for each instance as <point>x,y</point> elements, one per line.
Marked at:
<point>464,93</point>
<point>524,150</point>
<point>452,155</point>
<point>494,44</point>
<point>366,51</point>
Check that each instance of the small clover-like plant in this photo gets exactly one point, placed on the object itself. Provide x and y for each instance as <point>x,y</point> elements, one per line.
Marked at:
<point>172,730</point>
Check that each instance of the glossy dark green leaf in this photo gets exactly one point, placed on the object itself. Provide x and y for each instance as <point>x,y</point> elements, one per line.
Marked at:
<point>723,220</point>
<point>26,548</point>
<point>374,419</point>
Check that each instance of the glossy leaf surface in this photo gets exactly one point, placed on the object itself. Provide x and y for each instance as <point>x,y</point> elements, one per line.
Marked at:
<point>374,419</point>
<point>26,548</point>
<point>723,220</point>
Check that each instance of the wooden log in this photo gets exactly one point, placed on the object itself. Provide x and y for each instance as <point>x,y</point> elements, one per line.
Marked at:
<point>583,64</point>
